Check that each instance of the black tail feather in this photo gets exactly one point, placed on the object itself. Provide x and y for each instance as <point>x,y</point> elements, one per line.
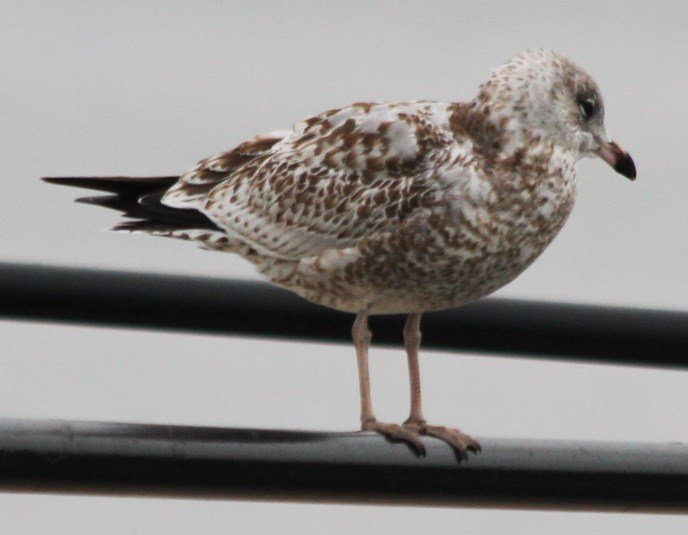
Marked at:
<point>138,198</point>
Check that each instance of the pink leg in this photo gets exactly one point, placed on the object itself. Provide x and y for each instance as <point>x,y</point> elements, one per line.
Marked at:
<point>416,422</point>
<point>361,336</point>
<point>412,343</point>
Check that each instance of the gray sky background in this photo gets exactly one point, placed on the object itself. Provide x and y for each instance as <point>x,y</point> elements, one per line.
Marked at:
<point>149,88</point>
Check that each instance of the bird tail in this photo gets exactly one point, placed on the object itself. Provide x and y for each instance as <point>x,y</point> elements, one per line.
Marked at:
<point>139,198</point>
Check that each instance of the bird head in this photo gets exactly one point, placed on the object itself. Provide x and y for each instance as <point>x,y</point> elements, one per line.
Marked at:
<point>541,98</point>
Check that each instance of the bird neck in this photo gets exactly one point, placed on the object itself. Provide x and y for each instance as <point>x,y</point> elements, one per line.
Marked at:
<point>497,134</point>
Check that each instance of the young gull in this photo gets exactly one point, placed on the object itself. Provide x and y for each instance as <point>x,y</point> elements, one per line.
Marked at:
<point>403,207</point>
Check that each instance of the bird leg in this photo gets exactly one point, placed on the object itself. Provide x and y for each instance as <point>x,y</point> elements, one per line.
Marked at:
<point>361,336</point>
<point>412,343</point>
<point>416,422</point>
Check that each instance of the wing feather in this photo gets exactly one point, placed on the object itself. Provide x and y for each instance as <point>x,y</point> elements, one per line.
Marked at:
<point>194,186</point>
<point>336,179</point>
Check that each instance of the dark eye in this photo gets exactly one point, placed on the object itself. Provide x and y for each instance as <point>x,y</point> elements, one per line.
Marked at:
<point>586,105</point>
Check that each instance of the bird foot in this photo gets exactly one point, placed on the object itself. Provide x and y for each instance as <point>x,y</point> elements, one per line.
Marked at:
<point>397,433</point>
<point>460,442</point>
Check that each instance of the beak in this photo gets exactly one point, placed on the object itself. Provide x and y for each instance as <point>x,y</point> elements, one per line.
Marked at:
<point>618,158</point>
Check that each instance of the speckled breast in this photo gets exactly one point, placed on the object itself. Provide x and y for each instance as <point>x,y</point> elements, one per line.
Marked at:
<point>452,256</point>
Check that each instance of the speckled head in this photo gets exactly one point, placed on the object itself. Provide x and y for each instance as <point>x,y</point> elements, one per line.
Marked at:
<point>540,99</point>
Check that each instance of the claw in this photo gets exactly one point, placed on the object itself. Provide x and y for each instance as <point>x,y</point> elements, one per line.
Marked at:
<point>460,442</point>
<point>411,431</point>
<point>397,433</point>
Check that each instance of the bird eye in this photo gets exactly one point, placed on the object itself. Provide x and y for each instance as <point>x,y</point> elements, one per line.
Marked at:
<point>586,107</point>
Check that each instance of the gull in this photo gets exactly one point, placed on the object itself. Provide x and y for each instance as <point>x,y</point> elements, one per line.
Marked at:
<point>403,207</point>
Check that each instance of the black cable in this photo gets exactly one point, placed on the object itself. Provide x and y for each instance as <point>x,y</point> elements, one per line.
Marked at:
<point>193,304</point>
<point>196,462</point>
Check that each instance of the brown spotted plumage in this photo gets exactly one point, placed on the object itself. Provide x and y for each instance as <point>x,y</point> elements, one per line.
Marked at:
<point>393,208</point>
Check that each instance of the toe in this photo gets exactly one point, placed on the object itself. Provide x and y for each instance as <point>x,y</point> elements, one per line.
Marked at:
<point>473,445</point>
<point>397,433</point>
<point>460,442</point>
<point>400,434</point>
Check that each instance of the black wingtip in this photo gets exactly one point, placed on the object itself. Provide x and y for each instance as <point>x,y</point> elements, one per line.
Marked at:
<point>108,201</point>
<point>139,198</point>
<point>114,184</point>
<point>60,180</point>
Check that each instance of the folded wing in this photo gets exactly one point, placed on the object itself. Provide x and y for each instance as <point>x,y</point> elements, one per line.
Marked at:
<point>335,179</point>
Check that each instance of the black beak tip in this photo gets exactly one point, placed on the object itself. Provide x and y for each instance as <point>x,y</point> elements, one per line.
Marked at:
<point>625,166</point>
